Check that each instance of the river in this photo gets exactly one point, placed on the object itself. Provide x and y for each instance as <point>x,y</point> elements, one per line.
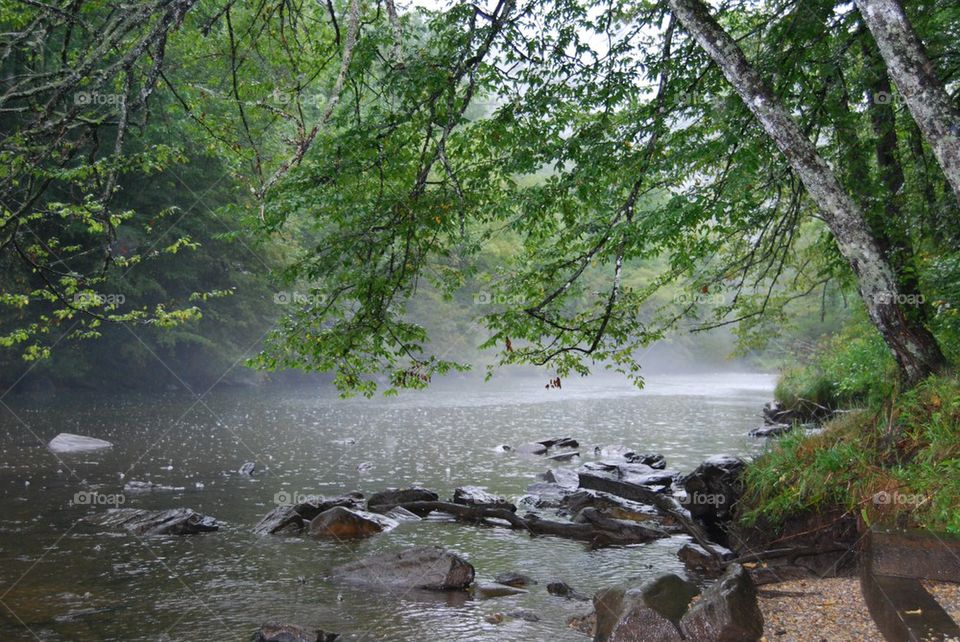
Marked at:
<point>63,580</point>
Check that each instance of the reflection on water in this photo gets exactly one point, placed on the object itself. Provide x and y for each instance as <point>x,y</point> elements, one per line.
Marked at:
<point>64,581</point>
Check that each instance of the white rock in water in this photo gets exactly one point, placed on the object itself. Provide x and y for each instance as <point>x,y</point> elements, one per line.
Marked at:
<point>66,442</point>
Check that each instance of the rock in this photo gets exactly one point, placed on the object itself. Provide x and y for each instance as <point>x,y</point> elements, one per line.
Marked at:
<point>515,579</point>
<point>346,523</point>
<point>773,430</point>
<point>503,448</point>
<point>728,611</point>
<point>640,532</point>
<point>276,632</point>
<point>176,521</point>
<point>713,488</point>
<point>532,449</point>
<point>524,614</point>
<point>562,589</point>
<point>248,468</point>
<point>401,514</point>
<point>543,495</point>
<point>651,611</point>
<point>67,442</point>
<point>295,517</point>
<point>559,442</point>
<point>564,456</point>
<point>561,477</point>
<point>486,590</point>
<point>419,567</point>
<point>609,505</point>
<point>774,412</point>
<point>654,460</point>
<point>476,496</point>
<point>385,500</point>
<point>697,559</point>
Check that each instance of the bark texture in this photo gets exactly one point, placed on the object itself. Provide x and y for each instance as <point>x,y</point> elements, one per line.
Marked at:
<point>917,80</point>
<point>913,346</point>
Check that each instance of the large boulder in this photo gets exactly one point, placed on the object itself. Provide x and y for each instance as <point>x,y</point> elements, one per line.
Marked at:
<point>476,496</point>
<point>277,632</point>
<point>650,612</point>
<point>294,517</point>
<point>67,442</point>
<point>727,611</point>
<point>713,488</point>
<point>420,567</point>
<point>346,523</point>
<point>176,521</point>
<point>385,500</point>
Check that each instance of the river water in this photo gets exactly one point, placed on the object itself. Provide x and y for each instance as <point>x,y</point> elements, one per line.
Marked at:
<point>65,580</point>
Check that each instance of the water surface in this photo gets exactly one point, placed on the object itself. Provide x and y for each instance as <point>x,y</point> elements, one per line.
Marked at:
<point>62,580</point>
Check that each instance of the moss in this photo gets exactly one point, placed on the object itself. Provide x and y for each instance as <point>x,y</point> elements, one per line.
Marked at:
<point>894,463</point>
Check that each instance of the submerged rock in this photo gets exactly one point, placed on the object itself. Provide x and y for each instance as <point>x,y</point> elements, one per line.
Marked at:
<point>560,442</point>
<point>176,521</point>
<point>562,589</point>
<point>135,486</point>
<point>385,500</point>
<point>276,632</point>
<point>476,496</point>
<point>420,567</point>
<point>532,449</point>
<point>346,523</point>
<point>727,611</point>
<point>67,442</point>
<point>564,456</point>
<point>486,590</point>
<point>515,579</point>
<point>248,468</point>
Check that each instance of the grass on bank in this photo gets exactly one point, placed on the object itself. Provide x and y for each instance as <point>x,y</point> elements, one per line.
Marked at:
<point>894,460</point>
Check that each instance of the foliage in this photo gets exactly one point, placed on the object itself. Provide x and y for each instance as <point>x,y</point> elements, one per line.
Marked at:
<point>894,464</point>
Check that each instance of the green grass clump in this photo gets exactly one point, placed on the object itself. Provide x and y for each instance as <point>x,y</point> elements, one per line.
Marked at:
<point>895,463</point>
<point>850,369</point>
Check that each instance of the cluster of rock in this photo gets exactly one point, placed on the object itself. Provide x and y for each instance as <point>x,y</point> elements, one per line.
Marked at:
<point>621,497</point>
<point>669,608</point>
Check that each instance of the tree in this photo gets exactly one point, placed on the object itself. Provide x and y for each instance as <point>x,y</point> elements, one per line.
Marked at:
<point>913,346</point>
<point>916,78</point>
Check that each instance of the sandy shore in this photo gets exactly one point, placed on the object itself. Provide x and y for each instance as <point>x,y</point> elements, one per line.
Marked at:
<point>830,610</point>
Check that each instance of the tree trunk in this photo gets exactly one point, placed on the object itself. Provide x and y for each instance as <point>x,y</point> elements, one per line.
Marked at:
<point>911,70</point>
<point>913,346</point>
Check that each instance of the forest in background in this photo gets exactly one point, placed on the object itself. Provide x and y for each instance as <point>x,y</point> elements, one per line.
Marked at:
<point>199,189</point>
